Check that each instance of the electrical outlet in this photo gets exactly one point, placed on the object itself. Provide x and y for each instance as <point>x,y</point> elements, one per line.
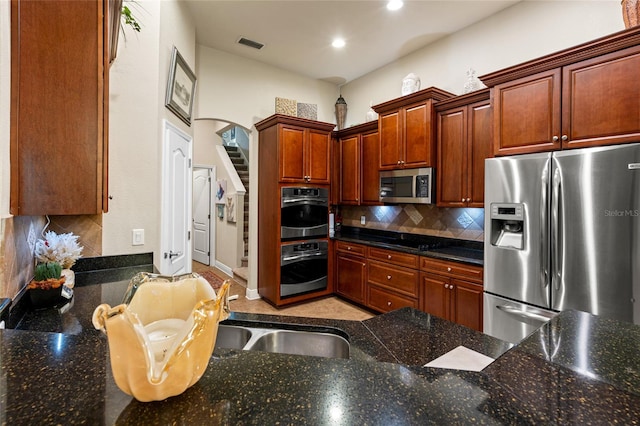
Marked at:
<point>363,220</point>
<point>31,239</point>
<point>137,237</point>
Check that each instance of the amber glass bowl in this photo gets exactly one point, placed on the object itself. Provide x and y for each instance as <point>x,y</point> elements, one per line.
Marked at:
<point>163,334</point>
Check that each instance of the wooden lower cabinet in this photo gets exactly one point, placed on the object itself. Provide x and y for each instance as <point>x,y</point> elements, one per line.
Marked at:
<point>385,300</point>
<point>385,280</point>
<point>452,291</point>
<point>351,276</point>
<point>454,300</point>
<point>392,279</point>
<point>397,279</point>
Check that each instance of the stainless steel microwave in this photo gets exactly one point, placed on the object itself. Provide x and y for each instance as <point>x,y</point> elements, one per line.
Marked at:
<point>407,186</point>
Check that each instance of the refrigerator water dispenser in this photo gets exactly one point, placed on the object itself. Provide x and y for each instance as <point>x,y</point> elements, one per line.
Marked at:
<point>507,225</point>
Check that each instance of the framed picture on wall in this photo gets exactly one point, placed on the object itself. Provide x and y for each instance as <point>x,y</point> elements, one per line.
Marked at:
<point>231,208</point>
<point>181,87</point>
<point>221,191</point>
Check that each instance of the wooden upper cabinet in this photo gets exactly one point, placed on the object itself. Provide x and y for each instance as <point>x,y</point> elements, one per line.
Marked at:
<point>303,148</point>
<point>583,96</point>
<point>391,133</point>
<point>464,141</point>
<point>59,95</point>
<point>407,138</point>
<point>452,158</point>
<point>358,152</point>
<point>318,154</point>
<point>527,114</point>
<point>419,144</point>
<point>291,159</point>
<point>350,170</point>
<point>370,183</point>
<point>600,100</point>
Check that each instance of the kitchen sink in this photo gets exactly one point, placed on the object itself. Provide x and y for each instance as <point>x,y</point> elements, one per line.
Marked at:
<point>295,342</point>
<point>232,337</point>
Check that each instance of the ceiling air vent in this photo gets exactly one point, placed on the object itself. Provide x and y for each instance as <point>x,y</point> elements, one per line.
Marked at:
<point>250,43</point>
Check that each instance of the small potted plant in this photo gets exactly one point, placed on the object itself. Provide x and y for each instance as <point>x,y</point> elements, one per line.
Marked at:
<point>46,288</point>
<point>61,248</point>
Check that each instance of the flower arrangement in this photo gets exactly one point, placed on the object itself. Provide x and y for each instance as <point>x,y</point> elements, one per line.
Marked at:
<point>61,248</point>
<point>47,276</point>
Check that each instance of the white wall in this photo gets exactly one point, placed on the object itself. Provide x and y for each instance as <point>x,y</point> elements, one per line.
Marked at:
<point>243,90</point>
<point>525,31</point>
<point>138,80</point>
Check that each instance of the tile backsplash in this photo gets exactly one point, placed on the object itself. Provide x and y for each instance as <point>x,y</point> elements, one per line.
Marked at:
<point>425,219</point>
<point>88,228</point>
<point>18,235</point>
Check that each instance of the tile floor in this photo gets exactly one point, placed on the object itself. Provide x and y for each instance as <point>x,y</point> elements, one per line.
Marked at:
<point>328,307</point>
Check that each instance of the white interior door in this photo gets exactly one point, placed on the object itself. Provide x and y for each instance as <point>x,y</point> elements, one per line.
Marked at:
<point>176,201</point>
<point>201,214</point>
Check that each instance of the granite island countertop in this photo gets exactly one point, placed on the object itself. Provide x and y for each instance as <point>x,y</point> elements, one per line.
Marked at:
<point>578,368</point>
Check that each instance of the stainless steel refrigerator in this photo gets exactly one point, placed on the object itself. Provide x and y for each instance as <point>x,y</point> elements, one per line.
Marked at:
<point>562,231</point>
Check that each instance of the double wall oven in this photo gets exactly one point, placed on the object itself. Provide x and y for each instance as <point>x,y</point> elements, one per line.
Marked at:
<point>304,227</point>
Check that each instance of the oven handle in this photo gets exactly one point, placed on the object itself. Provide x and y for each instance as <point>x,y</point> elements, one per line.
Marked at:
<point>534,315</point>
<point>302,256</point>
<point>321,201</point>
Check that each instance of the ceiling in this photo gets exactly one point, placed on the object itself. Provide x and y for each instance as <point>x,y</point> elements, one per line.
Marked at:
<point>297,35</point>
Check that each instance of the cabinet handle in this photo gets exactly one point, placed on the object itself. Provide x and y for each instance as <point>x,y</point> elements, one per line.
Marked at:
<point>555,139</point>
<point>388,277</point>
<point>446,286</point>
<point>448,269</point>
<point>451,287</point>
<point>565,138</point>
<point>468,199</point>
<point>388,303</point>
<point>388,256</point>
<point>349,248</point>
<point>463,200</point>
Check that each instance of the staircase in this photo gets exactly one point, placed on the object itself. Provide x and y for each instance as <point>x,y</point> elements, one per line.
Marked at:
<point>242,167</point>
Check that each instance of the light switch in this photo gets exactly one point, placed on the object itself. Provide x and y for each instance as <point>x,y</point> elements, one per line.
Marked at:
<point>363,220</point>
<point>138,237</point>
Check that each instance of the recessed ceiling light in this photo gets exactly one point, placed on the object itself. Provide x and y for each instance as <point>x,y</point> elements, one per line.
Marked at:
<point>394,4</point>
<point>338,43</point>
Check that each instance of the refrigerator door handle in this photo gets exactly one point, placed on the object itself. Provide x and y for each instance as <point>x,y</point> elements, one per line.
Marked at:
<point>556,244</point>
<point>531,314</point>
<point>544,233</point>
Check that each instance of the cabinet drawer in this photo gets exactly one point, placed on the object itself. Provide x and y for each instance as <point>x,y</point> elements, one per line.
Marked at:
<point>356,249</point>
<point>399,279</point>
<point>385,301</point>
<point>451,269</point>
<point>395,257</point>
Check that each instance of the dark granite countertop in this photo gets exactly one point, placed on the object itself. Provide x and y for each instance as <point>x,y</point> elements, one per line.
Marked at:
<point>471,252</point>
<point>576,369</point>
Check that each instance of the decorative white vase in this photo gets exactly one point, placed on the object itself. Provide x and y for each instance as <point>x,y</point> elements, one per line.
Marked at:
<point>70,277</point>
<point>371,114</point>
